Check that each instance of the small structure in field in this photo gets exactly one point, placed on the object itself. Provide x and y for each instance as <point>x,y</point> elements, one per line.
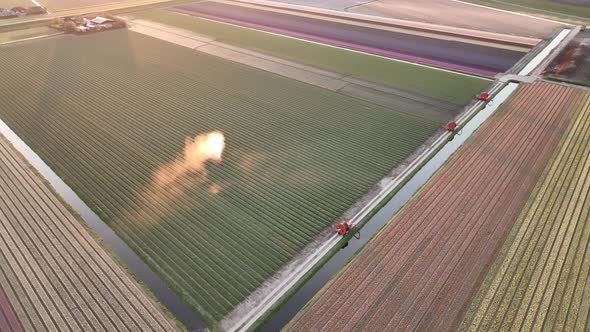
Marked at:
<point>83,25</point>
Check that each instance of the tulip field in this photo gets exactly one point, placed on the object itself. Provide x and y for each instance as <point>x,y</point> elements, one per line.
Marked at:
<point>540,279</point>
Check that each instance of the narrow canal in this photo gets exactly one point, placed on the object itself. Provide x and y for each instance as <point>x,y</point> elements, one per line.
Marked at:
<point>290,308</point>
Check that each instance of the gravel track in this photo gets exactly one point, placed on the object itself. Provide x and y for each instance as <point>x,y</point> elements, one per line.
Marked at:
<point>422,269</point>
<point>54,273</point>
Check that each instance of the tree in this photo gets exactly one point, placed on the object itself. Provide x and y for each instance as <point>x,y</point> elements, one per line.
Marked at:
<point>69,27</point>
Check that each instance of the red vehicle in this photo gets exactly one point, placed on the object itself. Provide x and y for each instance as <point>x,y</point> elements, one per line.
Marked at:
<point>343,228</point>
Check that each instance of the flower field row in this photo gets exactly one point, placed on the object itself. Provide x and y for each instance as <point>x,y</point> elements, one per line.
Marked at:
<point>540,279</point>
<point>420,272</point>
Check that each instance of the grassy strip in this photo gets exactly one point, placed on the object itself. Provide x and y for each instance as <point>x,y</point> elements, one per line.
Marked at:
<point>551,9</point>
<point>14,35</point>
<point>568,81</point>
<point>454,88</point>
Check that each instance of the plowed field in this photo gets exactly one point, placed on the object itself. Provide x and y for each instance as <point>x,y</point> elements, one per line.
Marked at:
<point>424,266</point>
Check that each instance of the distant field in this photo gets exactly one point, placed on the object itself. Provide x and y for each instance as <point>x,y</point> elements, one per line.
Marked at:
<point>59,5</point>
<point>444,12</point>
<point>438,84</point>
<point>7,4</point>
<point>544,7</point>
<point>540,281</point>
<point>460,14</point>
<point>25,33</point>
<point>110,114</point>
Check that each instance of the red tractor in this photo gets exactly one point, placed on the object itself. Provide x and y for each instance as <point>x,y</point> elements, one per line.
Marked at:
<point>483,96</point>
<point>343,228</point>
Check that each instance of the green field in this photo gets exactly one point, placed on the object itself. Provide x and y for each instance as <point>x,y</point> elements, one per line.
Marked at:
<point>454,88</point>
<point>540,280</point>
<point>541,7</point>
<point>110,113</point>
<point>10,36</point>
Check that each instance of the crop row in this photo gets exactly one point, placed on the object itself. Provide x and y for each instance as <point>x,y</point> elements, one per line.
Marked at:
<point>539,280</point>
<point>420,270</point>
<point>296,156</point>
<point>55,274</point>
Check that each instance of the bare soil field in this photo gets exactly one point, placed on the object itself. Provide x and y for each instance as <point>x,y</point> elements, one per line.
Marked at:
<point>53,274</point>
<point>420,272</point>
<point>447,12</point>
<point>539,282</point>
<point>443,12</point>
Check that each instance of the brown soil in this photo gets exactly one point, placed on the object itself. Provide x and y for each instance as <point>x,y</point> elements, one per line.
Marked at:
<point>422,269</point>
<point>451,13</point>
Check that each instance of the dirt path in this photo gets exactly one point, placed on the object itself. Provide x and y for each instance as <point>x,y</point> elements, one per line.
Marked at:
<point>54,274</point>
<point>422,269</point>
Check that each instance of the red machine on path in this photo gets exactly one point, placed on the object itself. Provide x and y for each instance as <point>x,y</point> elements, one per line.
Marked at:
<point>451,126</point>
<point>483,96</point>
<point>343,228</point>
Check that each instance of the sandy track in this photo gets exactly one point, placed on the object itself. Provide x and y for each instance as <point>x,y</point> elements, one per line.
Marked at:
<point>54,274</point>
<point>422,269</point>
